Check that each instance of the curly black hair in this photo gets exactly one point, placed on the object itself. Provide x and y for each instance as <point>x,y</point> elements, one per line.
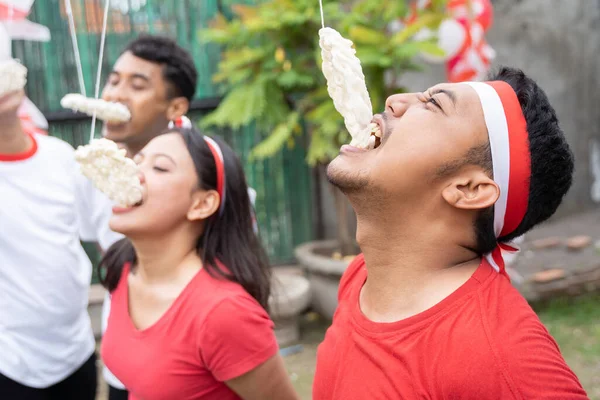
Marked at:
<point>552,162</point>
<point>178,65</point>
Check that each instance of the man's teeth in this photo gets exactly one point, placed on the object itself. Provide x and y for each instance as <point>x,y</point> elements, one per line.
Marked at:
<point>375,130</point>
<point>371,144</point>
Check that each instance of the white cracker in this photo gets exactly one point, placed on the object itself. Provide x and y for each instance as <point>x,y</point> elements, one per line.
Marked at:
<point>105,110</point>
<point>110,171</point>
<point>346,85</point>
<point>13,76</point>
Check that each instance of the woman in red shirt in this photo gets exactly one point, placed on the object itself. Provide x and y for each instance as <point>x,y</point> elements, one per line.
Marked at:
<point>190,283</point>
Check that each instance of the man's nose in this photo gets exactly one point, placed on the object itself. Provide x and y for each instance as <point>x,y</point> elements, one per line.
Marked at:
<point>397,104</point>
<point>115,93</point>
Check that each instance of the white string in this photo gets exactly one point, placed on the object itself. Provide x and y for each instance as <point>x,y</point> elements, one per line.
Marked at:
<point>69,11</point>
<point>322,17</point>
<point>100,58</point>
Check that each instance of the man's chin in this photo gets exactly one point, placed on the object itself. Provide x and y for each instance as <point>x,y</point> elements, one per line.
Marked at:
<point>343,178</point>
<point>114,134</point>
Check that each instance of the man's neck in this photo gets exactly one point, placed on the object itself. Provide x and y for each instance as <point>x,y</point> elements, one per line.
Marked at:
<point>411,264</point>
<point>13,139</point>
<point>132,149</point>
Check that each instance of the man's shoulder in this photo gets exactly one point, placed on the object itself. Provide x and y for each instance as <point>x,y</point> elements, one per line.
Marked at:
<point>352,275</point>
<point>518,346</point>
<point>54,146</point>
<point>506,312</point>
<point>507,340</point>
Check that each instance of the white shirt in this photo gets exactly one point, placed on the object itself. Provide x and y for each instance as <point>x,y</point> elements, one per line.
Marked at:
<point>109,377</point>
<point>46,207</point>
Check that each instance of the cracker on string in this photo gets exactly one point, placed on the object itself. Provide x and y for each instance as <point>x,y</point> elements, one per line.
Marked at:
<point>111,171</point>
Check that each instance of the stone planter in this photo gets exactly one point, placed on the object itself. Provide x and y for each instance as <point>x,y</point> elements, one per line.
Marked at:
<point>323,273</point>
<point>290,296</point>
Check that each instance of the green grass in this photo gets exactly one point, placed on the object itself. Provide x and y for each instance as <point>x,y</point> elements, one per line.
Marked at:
<point>575,324</point>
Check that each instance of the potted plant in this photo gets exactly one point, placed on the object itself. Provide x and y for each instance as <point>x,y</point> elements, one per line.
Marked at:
<point>271,74</point>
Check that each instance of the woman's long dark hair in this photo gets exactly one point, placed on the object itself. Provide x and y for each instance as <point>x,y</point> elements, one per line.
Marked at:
<point>228,237</point>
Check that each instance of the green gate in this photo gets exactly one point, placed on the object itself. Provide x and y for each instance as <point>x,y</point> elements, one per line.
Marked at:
<point>283,183</point>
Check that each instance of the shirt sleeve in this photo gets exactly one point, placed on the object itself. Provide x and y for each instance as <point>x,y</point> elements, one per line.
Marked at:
<point>94,211</point>
<point>537,368</point>
<point>237,337</point>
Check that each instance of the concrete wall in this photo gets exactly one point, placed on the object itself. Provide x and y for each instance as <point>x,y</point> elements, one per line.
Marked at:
<point>557,42</point>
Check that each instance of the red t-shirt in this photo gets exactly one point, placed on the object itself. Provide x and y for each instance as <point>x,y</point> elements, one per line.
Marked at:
<point>482,342</point>
<point>213,332</point>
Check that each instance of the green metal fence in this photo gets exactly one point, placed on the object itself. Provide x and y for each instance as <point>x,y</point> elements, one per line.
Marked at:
<point>282,183</point>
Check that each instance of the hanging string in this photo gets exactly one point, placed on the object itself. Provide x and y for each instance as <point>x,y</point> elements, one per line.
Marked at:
<point>100,59</point>
<point>322,16</point>
<point>69,11</point>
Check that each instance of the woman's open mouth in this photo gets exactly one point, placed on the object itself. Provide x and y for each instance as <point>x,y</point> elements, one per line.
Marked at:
<point>125,209</point>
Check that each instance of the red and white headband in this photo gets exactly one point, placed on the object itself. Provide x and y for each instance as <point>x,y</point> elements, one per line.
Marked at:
<point>215,149</point>
<point>509,144</point>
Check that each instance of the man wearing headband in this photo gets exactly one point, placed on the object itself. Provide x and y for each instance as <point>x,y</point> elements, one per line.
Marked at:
<point>428,310</point>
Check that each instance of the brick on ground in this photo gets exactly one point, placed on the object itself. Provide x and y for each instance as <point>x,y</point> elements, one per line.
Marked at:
<point>563,245</point>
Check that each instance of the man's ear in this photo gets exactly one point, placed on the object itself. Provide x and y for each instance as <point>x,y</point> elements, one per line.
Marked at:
<point>178,107</point>
<point>471,190</point>
<point>204,204</point>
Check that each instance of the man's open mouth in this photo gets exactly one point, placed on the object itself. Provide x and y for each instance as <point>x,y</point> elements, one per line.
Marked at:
<point>376,135</point>
<point>370,142</point>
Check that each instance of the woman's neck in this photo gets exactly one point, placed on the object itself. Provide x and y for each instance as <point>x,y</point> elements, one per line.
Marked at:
<point>162,258</point>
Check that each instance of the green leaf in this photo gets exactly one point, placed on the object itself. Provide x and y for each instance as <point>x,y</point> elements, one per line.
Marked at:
<point>322,111</point>
<point>370,56</point>
<point>292,79</point>
<point>364,35</point>
<point>220,36</point>
<point>242,58</point>
<point>407,50</point>
<point>431,48</point>
<point>321,150</point>
<point>240,107</point>
<point>233,77</point>
<point>244,12</point>
<point>257,84</point>
<point>277,139</point>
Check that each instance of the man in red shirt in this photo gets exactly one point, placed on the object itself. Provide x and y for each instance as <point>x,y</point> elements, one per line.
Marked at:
<point>427,311</point>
